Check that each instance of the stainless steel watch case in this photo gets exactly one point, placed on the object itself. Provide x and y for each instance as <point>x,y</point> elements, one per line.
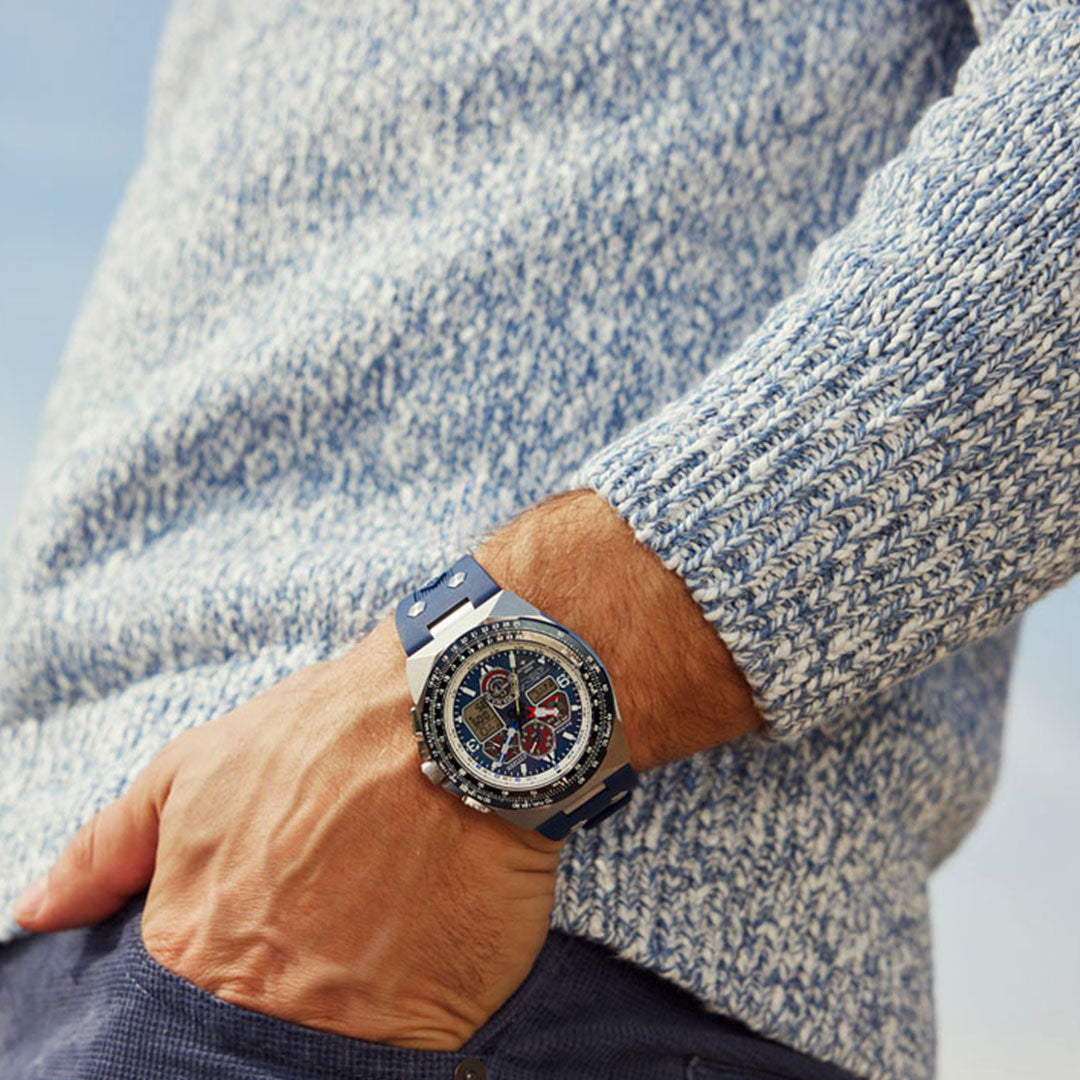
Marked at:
<point>502,605</point>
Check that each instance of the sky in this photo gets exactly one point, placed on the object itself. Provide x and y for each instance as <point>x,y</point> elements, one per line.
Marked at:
<point>73,85</point>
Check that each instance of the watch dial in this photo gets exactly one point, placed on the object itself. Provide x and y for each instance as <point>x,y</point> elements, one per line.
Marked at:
<point>517,715</point>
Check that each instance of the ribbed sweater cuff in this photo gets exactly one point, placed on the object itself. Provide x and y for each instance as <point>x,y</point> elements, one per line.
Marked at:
<point>750,492</point>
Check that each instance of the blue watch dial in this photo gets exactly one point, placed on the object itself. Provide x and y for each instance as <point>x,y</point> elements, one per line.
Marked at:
<point>517,715</point>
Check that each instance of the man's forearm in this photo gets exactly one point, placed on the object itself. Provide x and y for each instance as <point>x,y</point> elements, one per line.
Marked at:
<point>576,559</point>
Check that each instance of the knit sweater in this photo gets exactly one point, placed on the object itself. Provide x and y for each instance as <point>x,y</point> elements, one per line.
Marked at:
<point>794,284</point>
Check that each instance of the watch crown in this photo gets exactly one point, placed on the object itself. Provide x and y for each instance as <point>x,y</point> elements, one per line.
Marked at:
<point>433,772</point>
<point>418,735</point>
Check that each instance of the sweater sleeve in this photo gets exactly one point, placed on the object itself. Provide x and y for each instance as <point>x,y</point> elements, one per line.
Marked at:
<point>889,467</point>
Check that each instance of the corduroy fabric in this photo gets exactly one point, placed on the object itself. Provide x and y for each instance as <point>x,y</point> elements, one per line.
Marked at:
<point>805,316</point>
<point>94,1003</point>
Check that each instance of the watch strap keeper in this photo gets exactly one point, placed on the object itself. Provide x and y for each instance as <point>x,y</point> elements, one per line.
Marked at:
<point>462,581</point>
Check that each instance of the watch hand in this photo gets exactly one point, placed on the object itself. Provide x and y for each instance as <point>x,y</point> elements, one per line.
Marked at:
<point>506,745</point>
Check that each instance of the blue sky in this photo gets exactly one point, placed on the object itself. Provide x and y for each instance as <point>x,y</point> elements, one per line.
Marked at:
<point>73,83</point>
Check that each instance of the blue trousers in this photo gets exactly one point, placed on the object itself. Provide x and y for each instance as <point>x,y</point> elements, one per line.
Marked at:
<point>92,1003</point>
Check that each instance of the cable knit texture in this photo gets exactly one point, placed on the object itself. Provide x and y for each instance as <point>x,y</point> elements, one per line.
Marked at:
<point>794,284</point>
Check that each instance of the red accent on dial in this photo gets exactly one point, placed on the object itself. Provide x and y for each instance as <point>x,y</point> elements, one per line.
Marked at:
<point>537,738</point>
<point>498,686</point>
<point>554,710</point>
<point>494,746</point>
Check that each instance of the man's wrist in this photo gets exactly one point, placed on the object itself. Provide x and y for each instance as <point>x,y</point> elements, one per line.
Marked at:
<point>575,558</point>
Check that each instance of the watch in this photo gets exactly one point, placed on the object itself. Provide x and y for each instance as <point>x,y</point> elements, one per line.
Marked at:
<point>513,712</point>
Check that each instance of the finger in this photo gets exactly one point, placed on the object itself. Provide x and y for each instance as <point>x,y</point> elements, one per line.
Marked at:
<point>108,860</point>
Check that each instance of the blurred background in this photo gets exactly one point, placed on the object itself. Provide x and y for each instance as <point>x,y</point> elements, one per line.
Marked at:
<point>73,87</point>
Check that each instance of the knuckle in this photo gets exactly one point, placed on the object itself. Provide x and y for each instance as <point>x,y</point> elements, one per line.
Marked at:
<point>82,850</point>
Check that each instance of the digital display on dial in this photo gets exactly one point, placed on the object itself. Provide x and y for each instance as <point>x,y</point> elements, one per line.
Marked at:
<point>544,688</point>
<point>481,718</point>
<point>517,714</point>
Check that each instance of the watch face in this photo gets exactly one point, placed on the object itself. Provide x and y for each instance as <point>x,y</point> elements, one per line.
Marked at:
<point>517,712</point>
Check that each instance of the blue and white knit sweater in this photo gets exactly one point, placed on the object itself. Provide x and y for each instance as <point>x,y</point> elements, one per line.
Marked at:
<point>795,284</point>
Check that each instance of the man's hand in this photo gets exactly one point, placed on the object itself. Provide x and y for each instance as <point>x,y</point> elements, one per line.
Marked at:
<point>300,865</point>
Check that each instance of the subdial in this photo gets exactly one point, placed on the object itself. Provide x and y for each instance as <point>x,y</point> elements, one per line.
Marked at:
<point>537,738</point>
<point>501,749</point>
<point>499,687</point>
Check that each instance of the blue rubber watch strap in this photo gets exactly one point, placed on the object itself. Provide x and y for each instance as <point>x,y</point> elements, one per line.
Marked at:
<point>604,803</point>
<point>464,580</point>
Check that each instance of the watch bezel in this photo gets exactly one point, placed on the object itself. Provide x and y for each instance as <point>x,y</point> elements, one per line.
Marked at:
<point>432,701</point>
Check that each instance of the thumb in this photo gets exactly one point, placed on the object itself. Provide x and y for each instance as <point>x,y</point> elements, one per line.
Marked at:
<point>109,859</point>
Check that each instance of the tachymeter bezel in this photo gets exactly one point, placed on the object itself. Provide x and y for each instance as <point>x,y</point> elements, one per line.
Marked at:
<point>508,630</point>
